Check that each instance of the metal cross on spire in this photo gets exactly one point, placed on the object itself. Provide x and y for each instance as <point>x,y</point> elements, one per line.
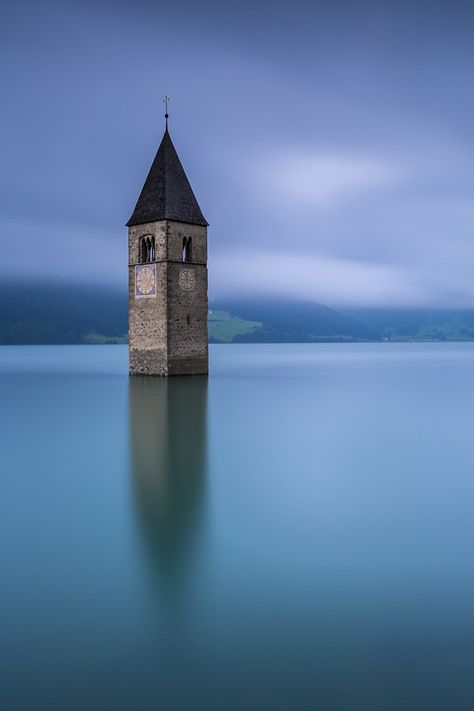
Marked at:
<point>165,101</point>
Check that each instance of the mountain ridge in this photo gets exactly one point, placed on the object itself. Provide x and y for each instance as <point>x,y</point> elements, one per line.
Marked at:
<point>47,313</point>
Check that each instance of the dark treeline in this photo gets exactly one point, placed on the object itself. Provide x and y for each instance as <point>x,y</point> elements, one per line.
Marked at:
<point>48,314</point>
<point>59,313</point>
<point>296,322</point>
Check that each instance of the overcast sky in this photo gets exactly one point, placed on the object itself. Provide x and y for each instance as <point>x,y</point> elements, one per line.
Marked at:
<point>330,145</point>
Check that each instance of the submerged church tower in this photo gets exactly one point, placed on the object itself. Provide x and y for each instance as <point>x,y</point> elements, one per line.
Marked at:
<point>167,257</point>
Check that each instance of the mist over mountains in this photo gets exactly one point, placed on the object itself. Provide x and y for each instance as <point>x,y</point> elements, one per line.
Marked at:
<point>45,313</point>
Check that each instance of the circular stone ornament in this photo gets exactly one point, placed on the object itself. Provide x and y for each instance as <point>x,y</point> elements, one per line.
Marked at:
<point>187,280</point>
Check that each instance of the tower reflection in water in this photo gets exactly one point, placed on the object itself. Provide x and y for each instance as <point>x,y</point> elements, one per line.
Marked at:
<point>168,425</point>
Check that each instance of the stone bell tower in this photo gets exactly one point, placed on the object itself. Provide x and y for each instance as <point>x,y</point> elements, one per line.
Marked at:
<point>167,284</point>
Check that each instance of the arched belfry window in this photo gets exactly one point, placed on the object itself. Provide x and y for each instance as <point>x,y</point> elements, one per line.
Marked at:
<point>147,249</point>
<point>187,254</point>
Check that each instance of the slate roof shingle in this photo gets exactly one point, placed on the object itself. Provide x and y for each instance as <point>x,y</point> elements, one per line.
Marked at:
<point>167,193</point>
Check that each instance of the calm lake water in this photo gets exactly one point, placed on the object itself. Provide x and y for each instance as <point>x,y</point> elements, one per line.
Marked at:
<point>295,532</point>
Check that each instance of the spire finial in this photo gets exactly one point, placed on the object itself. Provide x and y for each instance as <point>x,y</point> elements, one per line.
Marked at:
<point>165,101</point>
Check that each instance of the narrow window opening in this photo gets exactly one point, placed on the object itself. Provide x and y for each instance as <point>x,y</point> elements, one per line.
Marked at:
<point>186,254</point>
<point>188,320</point>
<point>142,250</point>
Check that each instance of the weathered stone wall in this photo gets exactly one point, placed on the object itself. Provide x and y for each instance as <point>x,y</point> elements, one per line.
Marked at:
<point>168,333</point>
<point>147,326</point>
<point>187,320</point>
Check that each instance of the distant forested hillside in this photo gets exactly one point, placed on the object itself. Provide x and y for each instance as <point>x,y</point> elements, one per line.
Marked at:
<point>48,314</point>
<point>278,321</point>
<point>418,324</point>
<point>39,313</point>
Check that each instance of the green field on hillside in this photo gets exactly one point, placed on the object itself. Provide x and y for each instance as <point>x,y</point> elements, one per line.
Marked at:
<point>223,326</point>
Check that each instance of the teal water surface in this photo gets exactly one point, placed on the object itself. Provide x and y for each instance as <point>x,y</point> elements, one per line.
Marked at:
<point>295,532</point>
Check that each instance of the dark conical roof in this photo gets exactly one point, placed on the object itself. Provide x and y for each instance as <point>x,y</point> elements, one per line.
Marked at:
<point>167,193</point>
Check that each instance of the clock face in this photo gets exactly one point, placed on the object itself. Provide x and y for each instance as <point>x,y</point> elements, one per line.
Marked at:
<point>145,280</point>
<point>187,280</point>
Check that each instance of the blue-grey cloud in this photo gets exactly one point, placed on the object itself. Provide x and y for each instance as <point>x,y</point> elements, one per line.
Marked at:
<point>329,144</point>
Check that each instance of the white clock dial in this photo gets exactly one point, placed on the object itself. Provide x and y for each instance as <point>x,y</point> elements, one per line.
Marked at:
<point>145,280</point>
